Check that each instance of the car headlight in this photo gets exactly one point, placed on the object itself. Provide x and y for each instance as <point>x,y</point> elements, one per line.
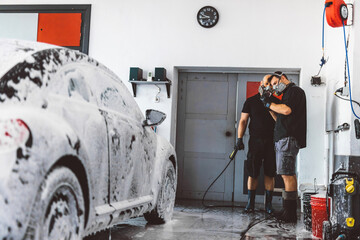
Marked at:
<point>13,133</point>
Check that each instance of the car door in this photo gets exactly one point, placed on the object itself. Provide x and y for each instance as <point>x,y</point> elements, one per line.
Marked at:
<point>72,99</point>
<point>129,153</point>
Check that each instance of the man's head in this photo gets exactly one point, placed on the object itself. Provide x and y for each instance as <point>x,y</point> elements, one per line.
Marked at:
<point>278,81</point>
<point>277,77</point>
<point>266,80</point>
<point>265,86</point>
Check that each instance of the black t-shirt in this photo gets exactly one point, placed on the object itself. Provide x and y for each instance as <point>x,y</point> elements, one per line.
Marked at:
<point>261,123</point>
<point>294,124</point>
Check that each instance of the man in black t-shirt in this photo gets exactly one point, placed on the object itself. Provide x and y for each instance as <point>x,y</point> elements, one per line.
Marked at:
<point>289,137</point>
<point>261,147</point>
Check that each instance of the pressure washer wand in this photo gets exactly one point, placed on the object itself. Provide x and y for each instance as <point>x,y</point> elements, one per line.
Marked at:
<point>233,154</point>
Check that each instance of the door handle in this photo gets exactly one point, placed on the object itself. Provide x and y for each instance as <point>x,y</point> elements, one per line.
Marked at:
<point>228,134</point>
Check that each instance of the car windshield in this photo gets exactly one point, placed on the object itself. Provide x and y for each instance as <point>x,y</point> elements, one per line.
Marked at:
<point>63,71</point>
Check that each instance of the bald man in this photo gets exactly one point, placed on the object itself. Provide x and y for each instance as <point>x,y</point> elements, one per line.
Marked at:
<point>261,146</point>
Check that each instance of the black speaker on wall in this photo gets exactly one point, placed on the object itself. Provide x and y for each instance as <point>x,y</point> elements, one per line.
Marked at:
<point>160,74</point>
<point>136,74</point>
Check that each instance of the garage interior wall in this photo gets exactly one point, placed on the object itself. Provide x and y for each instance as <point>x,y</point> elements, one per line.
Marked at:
<point>249,34</point>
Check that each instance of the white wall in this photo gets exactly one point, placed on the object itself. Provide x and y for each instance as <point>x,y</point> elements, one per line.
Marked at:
<point>339,111</point>
<point>165,33</point>
<point>355,75</point>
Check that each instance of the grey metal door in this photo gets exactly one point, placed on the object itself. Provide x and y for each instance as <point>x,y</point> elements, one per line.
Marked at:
<point>206,133</point>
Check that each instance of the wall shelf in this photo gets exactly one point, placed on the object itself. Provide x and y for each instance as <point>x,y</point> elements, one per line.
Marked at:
<point>134,84</point>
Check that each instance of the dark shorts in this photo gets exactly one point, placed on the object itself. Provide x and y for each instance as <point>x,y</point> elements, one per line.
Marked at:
<point>286,152</point>
<point>261,150</point>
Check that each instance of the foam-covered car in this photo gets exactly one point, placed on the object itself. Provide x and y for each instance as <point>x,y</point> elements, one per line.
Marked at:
<point>76,154</point>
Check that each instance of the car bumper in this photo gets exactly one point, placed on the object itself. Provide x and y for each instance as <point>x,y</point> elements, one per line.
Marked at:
<point>15,195</point>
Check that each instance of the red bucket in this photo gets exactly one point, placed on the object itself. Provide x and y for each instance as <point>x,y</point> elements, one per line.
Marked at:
<point>318,213</point>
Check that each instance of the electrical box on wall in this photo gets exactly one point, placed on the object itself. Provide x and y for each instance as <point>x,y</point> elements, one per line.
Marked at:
<point>160,74</point>
<point>316,81</point>
<point>136,74</point>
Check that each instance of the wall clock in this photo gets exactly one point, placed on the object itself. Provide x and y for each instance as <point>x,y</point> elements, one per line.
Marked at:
<point>208,16</point>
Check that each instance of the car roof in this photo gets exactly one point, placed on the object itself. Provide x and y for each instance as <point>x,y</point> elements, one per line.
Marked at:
<point>24,60</point>
<point>14,51</point>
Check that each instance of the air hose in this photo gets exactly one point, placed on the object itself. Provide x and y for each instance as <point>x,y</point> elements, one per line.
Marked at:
<point>322,41</point>
<point>348,70</point>
<point>322,60</point>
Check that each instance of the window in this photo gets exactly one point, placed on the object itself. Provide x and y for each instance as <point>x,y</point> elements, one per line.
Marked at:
<point>111,93</point>
<point>62,25</point>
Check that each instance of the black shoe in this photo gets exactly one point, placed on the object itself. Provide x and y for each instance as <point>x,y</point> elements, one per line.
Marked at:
<point>289,214</point>
<point>268,199</point>
<point>251,202</point>
<point>249,210</point>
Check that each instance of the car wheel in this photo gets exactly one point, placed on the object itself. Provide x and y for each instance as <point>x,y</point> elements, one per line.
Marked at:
<point>58,211</point>
<point>166,199</point>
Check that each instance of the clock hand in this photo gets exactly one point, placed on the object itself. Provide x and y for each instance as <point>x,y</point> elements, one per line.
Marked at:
<point>201,17</point>
<point>204,16</point>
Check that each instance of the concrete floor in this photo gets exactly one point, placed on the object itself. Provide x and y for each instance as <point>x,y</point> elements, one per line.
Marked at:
<point>192,221</point>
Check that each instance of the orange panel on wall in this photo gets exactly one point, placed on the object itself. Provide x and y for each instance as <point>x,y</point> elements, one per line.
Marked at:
<point>62,29</point>
<point>252,88</point>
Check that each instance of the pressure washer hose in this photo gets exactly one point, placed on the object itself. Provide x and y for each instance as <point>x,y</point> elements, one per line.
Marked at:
<point>231,157</point>
<point>252,223</point>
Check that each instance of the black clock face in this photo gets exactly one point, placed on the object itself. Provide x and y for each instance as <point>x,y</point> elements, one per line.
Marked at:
<point>208,17</point>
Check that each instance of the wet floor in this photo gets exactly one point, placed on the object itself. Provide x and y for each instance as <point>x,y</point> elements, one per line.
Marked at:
<point>191,221</point>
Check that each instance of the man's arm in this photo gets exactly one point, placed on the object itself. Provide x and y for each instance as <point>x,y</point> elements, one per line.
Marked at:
<point>243,124</point>
<point>273,115</point>
<point>280,108</point>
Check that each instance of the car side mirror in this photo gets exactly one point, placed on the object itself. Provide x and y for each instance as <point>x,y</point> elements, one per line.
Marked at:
<point>153,118</point>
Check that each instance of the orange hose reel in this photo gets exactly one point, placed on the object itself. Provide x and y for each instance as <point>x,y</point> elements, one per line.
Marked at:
<point>336,13</point>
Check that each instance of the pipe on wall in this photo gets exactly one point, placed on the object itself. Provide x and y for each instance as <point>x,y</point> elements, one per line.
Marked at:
<point>329,134</point>
<point>329,156</point>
